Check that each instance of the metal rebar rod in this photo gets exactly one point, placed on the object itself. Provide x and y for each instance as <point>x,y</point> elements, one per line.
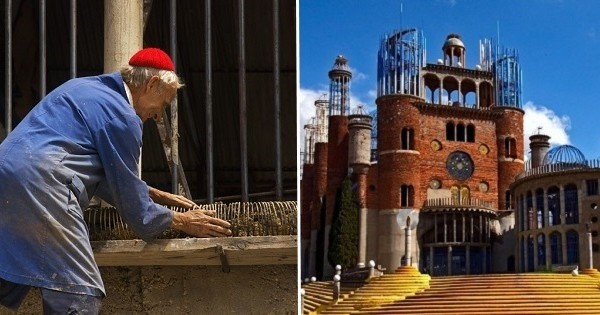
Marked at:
<point>208,87</point>
<point>278,172</point>
<point>42,28</point>
<point>73,37</point>
<point>8,66</point>
<point>242,93</point>
<point>174,107</point>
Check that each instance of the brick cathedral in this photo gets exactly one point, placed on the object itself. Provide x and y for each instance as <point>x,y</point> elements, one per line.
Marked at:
<point>431,167</point>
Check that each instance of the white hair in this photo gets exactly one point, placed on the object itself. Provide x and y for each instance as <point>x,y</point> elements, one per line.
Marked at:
<point>136,76</point>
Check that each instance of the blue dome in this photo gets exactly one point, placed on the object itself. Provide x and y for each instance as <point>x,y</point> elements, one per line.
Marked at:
<point>564,154</point>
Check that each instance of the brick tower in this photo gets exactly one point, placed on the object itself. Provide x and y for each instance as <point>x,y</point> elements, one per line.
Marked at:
<point>449,145</point>
<point>359,160</point>
<point>337,143</point>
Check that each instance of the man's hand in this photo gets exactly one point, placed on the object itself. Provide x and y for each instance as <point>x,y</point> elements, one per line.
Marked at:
<point>169,199</point>
<point>200,223</point>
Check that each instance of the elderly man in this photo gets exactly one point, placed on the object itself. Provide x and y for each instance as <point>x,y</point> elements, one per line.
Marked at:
<point>83,139</point>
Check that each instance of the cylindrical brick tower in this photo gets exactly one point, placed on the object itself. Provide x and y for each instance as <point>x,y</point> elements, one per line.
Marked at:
<point>539,146</point>
<point>399,175</point>
<point>359,159</point>
<point>319,190</point>
<point>306,188</point>
<point>337,150</point>
<point>509,134</point>
<point>306,194</point>
<point>319,187</point>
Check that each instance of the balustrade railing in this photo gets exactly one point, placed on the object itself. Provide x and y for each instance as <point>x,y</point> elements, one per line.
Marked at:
<point>459,202</point>
<point>560,167</point>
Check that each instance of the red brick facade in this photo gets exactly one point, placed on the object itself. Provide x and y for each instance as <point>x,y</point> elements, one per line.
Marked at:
<point>337,160</point>
<point>320,186</point>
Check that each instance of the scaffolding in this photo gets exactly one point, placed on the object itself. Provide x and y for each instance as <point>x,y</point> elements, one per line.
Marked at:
<point>339,87</point>
<point>374,136</point>
<point>309,141</point>
<point>508,78</point>
<point>321,120</point>
<point>504,63</point>
<point>400,59</point>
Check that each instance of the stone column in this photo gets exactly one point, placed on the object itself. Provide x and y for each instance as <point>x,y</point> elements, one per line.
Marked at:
<point>589,243</point>
<point>449,262</point>
<point>407,244</point>
<point>561,212</point>
<point>123,32</point>
<point>477,95</point>
<point>123,36</point>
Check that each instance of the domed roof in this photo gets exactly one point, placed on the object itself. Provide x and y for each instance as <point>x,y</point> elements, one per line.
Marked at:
<point>564,154</point>
<point>453,40</point>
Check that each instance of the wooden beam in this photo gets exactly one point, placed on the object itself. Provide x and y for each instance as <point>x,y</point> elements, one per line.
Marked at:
<point>256,250</point>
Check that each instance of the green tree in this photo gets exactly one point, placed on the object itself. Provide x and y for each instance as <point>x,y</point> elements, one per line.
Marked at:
<point>343,237</point>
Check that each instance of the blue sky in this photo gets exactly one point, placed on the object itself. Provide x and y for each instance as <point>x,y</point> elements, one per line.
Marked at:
<point>558,43</point>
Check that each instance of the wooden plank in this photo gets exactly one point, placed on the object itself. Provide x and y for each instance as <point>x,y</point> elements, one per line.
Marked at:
<point>256,250</point>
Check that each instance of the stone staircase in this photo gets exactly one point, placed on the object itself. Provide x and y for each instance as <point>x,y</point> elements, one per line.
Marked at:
<point>319,295</point>
<point>385,289</point>
<point>406,291</point>
<point>531,293</point>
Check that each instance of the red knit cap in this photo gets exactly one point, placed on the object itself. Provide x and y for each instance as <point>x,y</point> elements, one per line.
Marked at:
<point>152,58</point>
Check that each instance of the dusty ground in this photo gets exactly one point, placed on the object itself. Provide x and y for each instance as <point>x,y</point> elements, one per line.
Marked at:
<point>192,290</point>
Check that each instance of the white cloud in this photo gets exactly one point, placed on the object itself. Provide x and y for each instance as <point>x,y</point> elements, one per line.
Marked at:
<point>357,75</point>
<point>306,107</point>
<point>306,104</point>
<point>551,124</point>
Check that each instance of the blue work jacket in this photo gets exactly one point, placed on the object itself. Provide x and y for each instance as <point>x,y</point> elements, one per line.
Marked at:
<point>82,139</point>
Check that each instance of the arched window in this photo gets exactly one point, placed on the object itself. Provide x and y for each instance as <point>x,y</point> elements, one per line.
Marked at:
<point>539,205</point>
<point>553,206</point>
<point>541,249</point>
<point>407,139</point>
<point>464,195</point>
<point>571,204</point>
<point>470,133</point>
<point>556,248</point>
<point>510,148</point>
<point>450,134</point>
<point>406,196</point>
<point>460,132</point>
<point>529,208</point>
<point>572,247</point>
<point>455,194</point>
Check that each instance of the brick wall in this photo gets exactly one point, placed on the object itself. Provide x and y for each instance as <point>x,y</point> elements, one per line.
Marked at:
<point>337,160</point>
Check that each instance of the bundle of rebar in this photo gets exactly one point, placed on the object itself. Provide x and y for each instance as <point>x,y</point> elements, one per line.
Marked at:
<point>246,218</point>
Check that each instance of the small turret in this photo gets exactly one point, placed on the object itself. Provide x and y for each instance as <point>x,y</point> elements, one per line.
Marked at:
<point>539,146</point>
<point>359,148</point>
<point>454,51</point>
